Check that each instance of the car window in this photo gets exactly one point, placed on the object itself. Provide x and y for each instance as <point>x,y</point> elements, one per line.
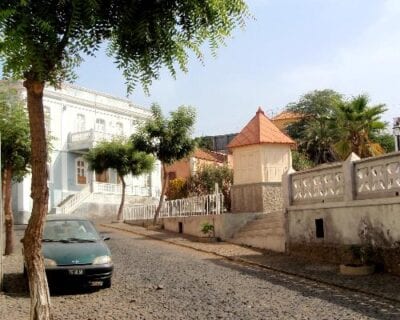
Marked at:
<point>69,229</point>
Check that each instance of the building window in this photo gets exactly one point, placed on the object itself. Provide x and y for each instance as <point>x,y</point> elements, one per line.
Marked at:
<point>119,127</point>
<point>80,122</point>
<point>80,171</point>
<point>100,125</point>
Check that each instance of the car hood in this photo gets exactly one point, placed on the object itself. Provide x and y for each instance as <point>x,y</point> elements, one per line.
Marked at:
<point>74,253</point>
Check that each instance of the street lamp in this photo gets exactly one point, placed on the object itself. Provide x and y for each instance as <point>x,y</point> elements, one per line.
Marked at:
<point>396,133</point>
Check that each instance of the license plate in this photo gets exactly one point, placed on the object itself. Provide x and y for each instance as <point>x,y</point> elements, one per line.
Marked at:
<point>75,272</point>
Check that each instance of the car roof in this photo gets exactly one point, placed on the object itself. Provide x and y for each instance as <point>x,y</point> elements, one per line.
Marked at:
<point>54,216</point>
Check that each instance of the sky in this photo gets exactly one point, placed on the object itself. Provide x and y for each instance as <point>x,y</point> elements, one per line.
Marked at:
<point>288,48</point>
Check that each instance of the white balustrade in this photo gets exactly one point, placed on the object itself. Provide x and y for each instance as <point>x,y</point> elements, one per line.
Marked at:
<point>90,136</point>
<point>378,177</point>
<point>72,203</point>
<point>318,185</point>
<point>194,206</point>
<point>112,188</point>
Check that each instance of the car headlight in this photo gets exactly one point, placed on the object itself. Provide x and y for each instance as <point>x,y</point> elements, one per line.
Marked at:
<point>102,260</point>
<point>49,262</point>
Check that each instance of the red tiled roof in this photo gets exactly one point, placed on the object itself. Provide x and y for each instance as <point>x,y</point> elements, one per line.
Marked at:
<point>260,130</point>
<point>287,115</point>
<point>209,155</point>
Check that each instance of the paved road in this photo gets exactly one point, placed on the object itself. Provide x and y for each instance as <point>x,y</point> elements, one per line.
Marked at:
<point>155,280</point>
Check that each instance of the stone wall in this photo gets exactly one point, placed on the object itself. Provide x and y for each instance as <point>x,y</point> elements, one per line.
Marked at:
<point>257,197</point>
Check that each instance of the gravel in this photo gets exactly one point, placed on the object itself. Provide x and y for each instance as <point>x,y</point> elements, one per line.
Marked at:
<point>156,280</point>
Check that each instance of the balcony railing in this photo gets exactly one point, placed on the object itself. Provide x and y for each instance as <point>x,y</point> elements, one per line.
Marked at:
<point>112,188</point>
<point>87,139</point>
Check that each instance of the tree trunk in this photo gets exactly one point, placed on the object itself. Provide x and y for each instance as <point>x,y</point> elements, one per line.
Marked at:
<point>8,215</point>
<point>32,241</point>
<point>121,206</point>
<point>163,190</point>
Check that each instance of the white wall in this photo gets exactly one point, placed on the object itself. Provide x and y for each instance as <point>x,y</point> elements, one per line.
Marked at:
<point>260,163</point>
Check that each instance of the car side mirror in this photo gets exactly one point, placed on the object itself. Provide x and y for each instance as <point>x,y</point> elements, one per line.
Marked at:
<point>106,238</point>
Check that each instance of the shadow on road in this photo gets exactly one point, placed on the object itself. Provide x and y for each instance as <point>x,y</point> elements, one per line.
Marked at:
<point>367,305</point>
<point>72,288</point>
<point>14,285</point>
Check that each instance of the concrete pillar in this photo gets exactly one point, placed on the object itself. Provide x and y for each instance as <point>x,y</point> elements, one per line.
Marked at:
<point>349,178</point>
<point>287,191</point>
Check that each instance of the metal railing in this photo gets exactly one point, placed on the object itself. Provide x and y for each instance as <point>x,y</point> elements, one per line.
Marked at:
<point>194,206</point>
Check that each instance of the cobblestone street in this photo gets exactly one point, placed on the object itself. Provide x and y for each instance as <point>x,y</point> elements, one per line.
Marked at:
<point>157,280</point>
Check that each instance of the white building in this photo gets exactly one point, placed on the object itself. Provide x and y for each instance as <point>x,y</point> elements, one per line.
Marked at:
<point>76,119</point>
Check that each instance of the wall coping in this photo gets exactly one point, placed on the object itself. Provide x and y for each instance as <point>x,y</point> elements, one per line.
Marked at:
<point>343,204</point>
<point>258,184</point>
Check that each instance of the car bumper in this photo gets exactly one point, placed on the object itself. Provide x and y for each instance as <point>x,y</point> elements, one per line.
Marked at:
<point>80,272</point>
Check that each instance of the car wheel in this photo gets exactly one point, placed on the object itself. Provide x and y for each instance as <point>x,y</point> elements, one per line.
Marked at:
<point>107,283</point>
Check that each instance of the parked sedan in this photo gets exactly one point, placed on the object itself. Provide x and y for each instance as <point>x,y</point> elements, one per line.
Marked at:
<point>73,250</point>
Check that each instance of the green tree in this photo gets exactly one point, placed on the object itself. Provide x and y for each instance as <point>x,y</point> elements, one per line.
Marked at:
<point>384,139</point>
<point>119,155</point>
<point>204,180</point>
<point>43,41</point>
<point>357,122</point>
<point>300,161</point>
<point>204,143</point>
<point>316,132</point>
<point>169,139</point>
<point>15,150</point>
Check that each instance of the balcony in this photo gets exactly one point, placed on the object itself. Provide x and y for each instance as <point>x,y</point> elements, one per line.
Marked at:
<point>84,140</point>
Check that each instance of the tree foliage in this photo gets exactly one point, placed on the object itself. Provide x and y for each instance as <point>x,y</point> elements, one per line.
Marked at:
<point>119,155</point>
<point>15,150</point>
<point>332,127</point>
<point>14,128</point>
<point>300,161</point>
<point>384,139</point>
<point>357,122</point>
<point>204,143</point>
<point>169,139</point>
<point>177,189</point>
<point>45,40</point>
<point>204,180</point>
<point>315,133</point>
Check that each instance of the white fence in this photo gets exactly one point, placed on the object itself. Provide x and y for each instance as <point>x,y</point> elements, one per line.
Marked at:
<point>194,206</point>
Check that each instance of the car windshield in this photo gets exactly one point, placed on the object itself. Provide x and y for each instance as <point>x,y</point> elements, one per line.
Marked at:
<point>69,231</point>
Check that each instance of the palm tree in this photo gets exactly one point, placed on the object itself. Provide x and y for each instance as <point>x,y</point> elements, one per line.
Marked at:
<point>357,122</point>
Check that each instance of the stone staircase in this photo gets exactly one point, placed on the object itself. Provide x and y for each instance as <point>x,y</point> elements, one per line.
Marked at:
<point>266,231</point>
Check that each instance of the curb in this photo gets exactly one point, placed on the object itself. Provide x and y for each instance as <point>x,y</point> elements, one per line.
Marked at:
<point>259,265</point>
